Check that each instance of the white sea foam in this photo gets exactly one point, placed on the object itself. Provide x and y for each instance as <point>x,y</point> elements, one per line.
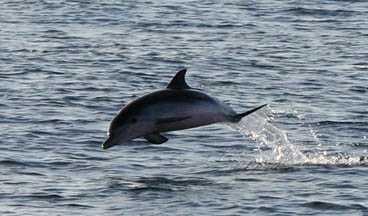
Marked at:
<point>275,147</point>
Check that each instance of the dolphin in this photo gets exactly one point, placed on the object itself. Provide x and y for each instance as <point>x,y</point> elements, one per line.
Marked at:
<point>177,107</point>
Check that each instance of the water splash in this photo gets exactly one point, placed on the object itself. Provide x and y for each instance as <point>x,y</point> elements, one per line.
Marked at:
<point>275,147</point>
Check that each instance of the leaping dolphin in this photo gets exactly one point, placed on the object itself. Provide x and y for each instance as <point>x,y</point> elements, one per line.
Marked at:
<point>177,107</point>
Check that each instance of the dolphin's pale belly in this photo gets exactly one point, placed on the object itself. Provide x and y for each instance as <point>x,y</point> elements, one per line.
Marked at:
<point>189,115</point>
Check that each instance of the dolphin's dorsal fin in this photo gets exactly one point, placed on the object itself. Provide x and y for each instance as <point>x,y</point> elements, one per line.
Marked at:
<point>178,82</point>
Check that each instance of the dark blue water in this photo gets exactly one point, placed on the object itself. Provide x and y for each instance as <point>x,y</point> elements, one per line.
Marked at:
<point>68,67</point>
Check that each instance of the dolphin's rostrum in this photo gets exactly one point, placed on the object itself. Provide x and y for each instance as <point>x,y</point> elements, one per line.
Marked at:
<point>177,107</point>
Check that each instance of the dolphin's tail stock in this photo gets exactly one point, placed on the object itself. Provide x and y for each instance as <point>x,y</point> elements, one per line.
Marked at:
<point>238,117</point>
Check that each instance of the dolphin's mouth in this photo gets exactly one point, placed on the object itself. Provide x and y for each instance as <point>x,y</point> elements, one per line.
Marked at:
<point>109,142</point>
<point>115,139</point>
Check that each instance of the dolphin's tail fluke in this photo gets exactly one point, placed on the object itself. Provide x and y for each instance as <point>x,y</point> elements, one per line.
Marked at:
<point>238,117</point>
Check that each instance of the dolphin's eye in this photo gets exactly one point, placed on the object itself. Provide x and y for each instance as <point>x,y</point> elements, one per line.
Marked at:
<point>134,120</point>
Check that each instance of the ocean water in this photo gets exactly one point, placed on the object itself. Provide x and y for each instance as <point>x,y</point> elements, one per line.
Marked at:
<point>68,67</point>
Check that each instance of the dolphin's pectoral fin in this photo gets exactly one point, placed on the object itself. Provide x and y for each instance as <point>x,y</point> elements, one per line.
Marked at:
<point>178,82</point>
<point>156,138</point>
<point>170,120</point>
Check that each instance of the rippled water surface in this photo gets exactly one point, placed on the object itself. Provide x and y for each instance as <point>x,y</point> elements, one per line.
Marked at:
<point>68,67</point>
